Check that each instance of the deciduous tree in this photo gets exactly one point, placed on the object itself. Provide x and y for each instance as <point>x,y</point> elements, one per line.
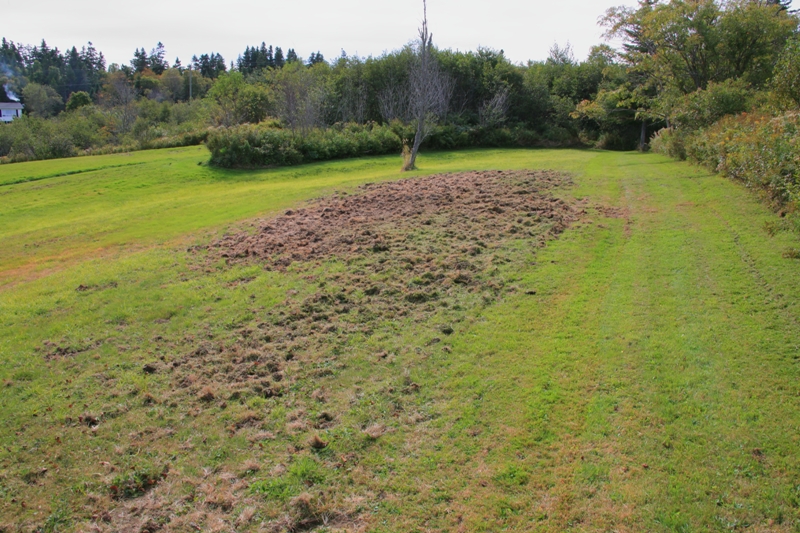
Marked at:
<point>41,100</point>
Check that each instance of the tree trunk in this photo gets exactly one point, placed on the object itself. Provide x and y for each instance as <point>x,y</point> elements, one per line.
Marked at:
<point>418,138</point>
<point>643,137</point>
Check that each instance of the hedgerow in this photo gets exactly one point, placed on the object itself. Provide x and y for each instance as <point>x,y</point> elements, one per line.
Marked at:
<point>760,150</point>
<point>249,146</point>
<point>261,146</point>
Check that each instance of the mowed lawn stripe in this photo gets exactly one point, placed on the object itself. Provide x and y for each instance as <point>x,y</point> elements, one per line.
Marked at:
<point>651,383</point>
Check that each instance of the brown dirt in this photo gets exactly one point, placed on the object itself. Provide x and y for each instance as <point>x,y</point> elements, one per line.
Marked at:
<point>476,203</point>
<point>413,248</point>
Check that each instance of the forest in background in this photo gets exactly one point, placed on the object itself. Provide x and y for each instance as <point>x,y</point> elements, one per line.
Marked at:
<point>688,72</point>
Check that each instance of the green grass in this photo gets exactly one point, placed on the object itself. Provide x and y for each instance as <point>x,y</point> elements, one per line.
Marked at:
<point>152,197</point>
<point>651,384</point>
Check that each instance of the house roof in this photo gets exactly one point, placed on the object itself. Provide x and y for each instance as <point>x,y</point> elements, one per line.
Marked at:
<point>12,105</point>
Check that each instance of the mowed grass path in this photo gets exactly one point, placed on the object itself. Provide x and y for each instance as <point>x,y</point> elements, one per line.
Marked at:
<point>650,384</point>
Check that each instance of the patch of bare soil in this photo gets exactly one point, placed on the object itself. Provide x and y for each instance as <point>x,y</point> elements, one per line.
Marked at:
<point>412,248</point>
<point>389,255</point>
<point>486,204</point>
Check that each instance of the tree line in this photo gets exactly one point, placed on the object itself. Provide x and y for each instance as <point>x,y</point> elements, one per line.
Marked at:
<point>683,64</point>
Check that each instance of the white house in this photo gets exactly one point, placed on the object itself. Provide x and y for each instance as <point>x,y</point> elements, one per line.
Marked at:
<point>10,111</point>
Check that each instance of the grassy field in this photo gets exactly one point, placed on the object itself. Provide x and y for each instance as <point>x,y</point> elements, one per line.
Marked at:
<point>649,384</point>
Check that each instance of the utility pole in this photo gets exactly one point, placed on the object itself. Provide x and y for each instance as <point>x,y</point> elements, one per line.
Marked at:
<point>190,82</point>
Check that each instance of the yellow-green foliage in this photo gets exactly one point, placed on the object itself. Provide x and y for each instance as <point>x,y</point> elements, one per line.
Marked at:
<point>758,149</point>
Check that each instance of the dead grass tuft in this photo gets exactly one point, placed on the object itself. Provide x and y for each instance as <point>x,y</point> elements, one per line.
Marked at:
<point>207,394</point>
<point>222,500</point>
<point>317,443</point>
<point>791,253</point>
<point>319,395</point>
<point>261,436</point>
<point>375,431</point>
<point>298,426</point>
<point>250,467</point>
<point>149,399</point>
<point>246,516</point>
<point>248,418</point>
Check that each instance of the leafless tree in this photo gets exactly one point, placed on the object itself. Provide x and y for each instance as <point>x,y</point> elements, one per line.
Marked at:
<point>493,111</point>
<point>300,98</point>
<point>393,102</point>
<point>353,102</point>
<point>429,90</point>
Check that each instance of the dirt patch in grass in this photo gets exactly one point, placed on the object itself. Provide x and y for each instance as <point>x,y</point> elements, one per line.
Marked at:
<point>470,205</point>
<point>418,252</point>
<point>413,255</point>
<point>412,249</point>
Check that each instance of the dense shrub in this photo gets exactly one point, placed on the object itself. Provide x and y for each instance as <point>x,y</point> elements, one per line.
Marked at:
<point>785,82</point>
<point>671,142</point>
<point>258,146</point>
<point>250,146</point>
<point>702,108</point>
<point>759,150</point>
<point>31,138</point>
<point>91,130</point>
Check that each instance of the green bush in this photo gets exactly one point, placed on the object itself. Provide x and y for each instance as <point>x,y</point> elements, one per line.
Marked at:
<point>89,130</point>
<point>785,81</point>
<point>703,108</point>
<point>759,150</point>
<point>29,138</point>
<point>248,146</point>
<point>259,146</point>
<point>78,99</point>
<point>670,142</point>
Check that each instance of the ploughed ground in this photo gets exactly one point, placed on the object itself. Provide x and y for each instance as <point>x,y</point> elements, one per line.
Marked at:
<point>415,257</point>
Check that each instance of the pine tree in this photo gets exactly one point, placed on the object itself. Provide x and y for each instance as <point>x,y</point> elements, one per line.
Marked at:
<point>315,58</point>
<point>156,61</point>
<point>263,57</point>
<point>140,61</point>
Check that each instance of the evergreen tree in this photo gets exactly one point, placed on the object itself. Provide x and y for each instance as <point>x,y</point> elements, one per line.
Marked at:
<point>140,61</point>
<point>210,65</point>
<point>291,56</point>
<point>315,58</point>
<point>279,59</point>
<point>10,56</point>
<point>156,60</point>
<point>45,66</point>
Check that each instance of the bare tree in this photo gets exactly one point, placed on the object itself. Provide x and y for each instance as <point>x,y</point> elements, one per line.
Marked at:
<point>300,98</point>
<point>353,101</point>
<point>393,102</point>
<point>493,111</point>
<point>429,90</point>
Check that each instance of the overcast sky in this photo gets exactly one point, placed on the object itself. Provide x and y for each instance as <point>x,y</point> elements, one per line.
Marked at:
<point>525,29</point>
